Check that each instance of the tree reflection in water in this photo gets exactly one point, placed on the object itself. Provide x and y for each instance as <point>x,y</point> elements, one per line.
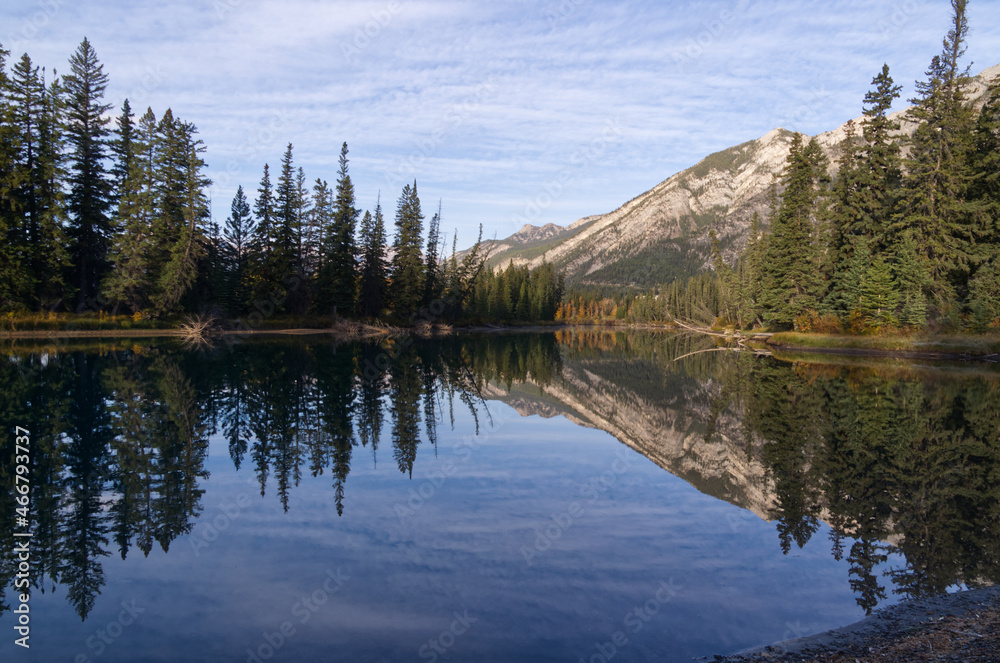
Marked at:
<point>894,460</point>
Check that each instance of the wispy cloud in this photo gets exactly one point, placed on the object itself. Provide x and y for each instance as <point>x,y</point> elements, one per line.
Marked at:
<point>398,78</point>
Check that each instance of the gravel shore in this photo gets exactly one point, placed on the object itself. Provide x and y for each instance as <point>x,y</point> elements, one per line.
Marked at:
<point>964,626</point>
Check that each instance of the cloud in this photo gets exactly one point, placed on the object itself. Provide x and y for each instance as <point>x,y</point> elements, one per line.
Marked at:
<point>491,100</point>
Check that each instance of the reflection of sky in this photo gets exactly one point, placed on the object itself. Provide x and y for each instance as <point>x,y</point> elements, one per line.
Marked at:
<point>460,551</point>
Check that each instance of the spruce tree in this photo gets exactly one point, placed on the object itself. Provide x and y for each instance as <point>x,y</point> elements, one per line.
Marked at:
<point>41,238</point>
<point>189,249</point>
<point>320,219</point>
<point>879,293</point>
<point>14,277</point>
<point>984,192</point>
<point>337,284</point>
<point>236,234</point>
<point>53,291</point>
<point>26,95</point>
<point>791,277</point>
<point>911,275</point>
<point>267,277</point>
<point>286,210</point>
<point>407,286</point>
<point>122,151</point>
<point>374,269</point>
<point>433,284</point>
<point>130,282</point>
<point>89,186</point>
<point>938,176</point>
<point>880,162</point>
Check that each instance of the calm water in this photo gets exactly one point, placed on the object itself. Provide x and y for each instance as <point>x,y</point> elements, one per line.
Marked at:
<point>529,497</point>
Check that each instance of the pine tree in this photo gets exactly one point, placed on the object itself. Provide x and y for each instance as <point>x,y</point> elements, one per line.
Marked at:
<point>89,186</point>
<point>188,252</point>
<point>14,277</point>
<point>53,246</point>
<point>122,151</point>
<point>337,284</point>
<point>433,285</point>
<point>374,269</point>
<point>912,277</point>
<point>984,192</point>
<point>236,256</point>
<point>130,282</point>
<point>984,295</point>
<point>880,162</point>
<point>267,278</point>
<point>879,293</point>
<point>26,95</point>
<point>407,286</point>
<point>791,277</point>
<point>40,238</point>
<point>286,209</point>
<point>938,176</point>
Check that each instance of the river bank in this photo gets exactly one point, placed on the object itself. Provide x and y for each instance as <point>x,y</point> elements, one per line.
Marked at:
<point>921,347</point>
<point>964,626</point>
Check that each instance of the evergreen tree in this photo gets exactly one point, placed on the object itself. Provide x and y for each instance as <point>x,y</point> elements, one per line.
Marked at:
<point>267,278</point>
<point>433,285</point>
<point>984,295</point>
<point>286,210</point>
<point>337,286</point>
<point>879,293</point>
<point>89,186</point>
<point>122,151</point>
<point>26,95</point>
<point>237,233</point>
<point>880,162</point>
<point>913,279</point>
<point>937,170</point>
<point>791,277</point>
<point>984,194</point>
<point>374,269</point>
<point>14,277</point>
<point>186,250</point>
<point>320,220</point>
<point>130,282</point>
<point>407,286</point>
<point>53,246</point>
<point>40,237</point>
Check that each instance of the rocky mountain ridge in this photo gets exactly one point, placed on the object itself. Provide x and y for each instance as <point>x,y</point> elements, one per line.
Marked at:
<point>662,234</point>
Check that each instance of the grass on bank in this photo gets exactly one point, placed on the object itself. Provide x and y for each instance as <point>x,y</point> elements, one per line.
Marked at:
<point>969,344</point>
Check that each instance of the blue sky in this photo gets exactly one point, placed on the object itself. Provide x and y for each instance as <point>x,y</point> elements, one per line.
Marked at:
<point>505,112</point>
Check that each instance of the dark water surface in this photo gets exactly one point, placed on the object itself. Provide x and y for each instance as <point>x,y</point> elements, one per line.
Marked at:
<point>526,497</point>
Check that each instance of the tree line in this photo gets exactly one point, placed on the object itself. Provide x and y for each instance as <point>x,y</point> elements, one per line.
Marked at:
<point>114,217</point>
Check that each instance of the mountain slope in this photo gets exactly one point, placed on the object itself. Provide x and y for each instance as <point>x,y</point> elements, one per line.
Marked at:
<point>662,234</point>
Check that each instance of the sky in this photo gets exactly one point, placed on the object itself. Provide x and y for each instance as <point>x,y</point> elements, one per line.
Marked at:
<point>504,113</point>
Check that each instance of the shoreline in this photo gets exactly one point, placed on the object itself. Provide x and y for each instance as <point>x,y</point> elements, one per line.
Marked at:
<point>980,348</point>
<point>964,622</point>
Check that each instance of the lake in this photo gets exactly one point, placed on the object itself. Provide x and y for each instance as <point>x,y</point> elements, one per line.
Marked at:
<point>580,495</point>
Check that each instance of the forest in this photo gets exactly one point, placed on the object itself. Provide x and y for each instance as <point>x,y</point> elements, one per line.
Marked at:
<point>112,217</point>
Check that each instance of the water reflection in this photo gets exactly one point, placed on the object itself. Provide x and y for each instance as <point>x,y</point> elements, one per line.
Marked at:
<point>893,459</point>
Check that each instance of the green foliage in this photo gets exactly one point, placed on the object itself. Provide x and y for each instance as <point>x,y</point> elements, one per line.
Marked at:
<point>406,289</point>
<point>791,273</point>
<point>337,278</point>
<point>517,294</point>
<point>984,295</point>
<point>89,188</point>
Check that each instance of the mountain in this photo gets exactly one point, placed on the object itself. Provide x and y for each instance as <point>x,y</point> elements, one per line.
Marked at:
<point>662,234</point>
